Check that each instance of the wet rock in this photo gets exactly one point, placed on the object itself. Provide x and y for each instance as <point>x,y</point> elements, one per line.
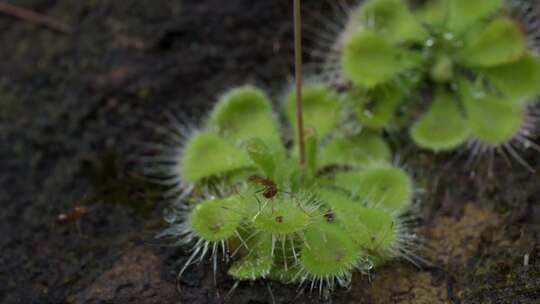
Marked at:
<point>135,278</point>
<point>402,286</point>
<point>452,242</point>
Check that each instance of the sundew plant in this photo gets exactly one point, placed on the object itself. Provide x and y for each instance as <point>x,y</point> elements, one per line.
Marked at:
<point>311,210</point>
<point>451,71</point>
<point>251,201</point>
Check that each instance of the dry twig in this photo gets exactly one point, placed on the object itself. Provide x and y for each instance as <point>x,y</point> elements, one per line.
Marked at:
<point>31,16</point>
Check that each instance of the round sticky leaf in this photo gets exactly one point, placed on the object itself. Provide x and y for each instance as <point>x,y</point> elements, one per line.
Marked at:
<point>433,12</point>
<point>258,262</point>
<point>282,215</point>
<point>244,113</point>
<point>217,220</point>
<point>261,155</point>
<point>373,230</point>
<point>328,251</point>
<point>464,13</point>
<point>377,108</point>
<point>519,80</point>
<point>357,151</point>
<point>369,59</point>
<point>378,234</point>
<point>285,275</point>
<point>443,127</point>
<point>384,187</point>
<point>207,155</point>
<point>500,42</point>
<point>311,150</point>
<point>493,120</point>
<point>391,19</point>
<point>320,107</point>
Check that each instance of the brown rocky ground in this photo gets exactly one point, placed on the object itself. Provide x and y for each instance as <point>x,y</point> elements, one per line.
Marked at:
<point>72,113</point>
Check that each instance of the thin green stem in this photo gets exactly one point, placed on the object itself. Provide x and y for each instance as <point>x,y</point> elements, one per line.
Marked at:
<point>298,72</point>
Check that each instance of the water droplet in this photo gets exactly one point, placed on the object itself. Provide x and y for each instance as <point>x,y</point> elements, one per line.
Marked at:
<point>479,94</point>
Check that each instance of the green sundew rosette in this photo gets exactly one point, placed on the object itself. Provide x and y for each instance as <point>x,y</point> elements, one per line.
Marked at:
<point>369,59</point>
<point>391,19</point>
<point>374,51</point>
<point>356,151</point>
<point>328,251</point>
<point>314,246</point>
<point>217,220</point>
<point>494,46</point>
<point>381,186</point>
<point>258,262</point>
<point>208,155</point>
<point>244,113</point>
<point>443,127</point>
<point>321,109</point>
<point>471,37</point>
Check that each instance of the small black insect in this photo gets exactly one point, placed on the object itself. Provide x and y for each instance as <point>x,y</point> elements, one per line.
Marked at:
<point>330,216</point>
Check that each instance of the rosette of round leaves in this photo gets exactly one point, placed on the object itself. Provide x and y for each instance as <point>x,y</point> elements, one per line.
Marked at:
<point>393,51</point>
<point>277,219</point>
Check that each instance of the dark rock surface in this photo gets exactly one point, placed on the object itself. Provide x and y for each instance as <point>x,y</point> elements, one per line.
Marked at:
<point>73,109</point>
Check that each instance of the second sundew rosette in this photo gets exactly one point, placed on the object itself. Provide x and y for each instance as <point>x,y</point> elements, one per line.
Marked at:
<point>253,204</point>
<point>452,71</point>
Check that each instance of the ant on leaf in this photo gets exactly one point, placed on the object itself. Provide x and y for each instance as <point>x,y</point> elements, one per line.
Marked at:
<point>270,188</point>
<point>269,191</point>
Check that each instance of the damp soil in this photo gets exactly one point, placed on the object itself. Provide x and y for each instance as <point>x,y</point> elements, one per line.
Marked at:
<point>74,114</point>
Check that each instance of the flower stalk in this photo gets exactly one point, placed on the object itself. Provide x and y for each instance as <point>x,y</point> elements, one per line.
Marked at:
<point>298,72</point>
